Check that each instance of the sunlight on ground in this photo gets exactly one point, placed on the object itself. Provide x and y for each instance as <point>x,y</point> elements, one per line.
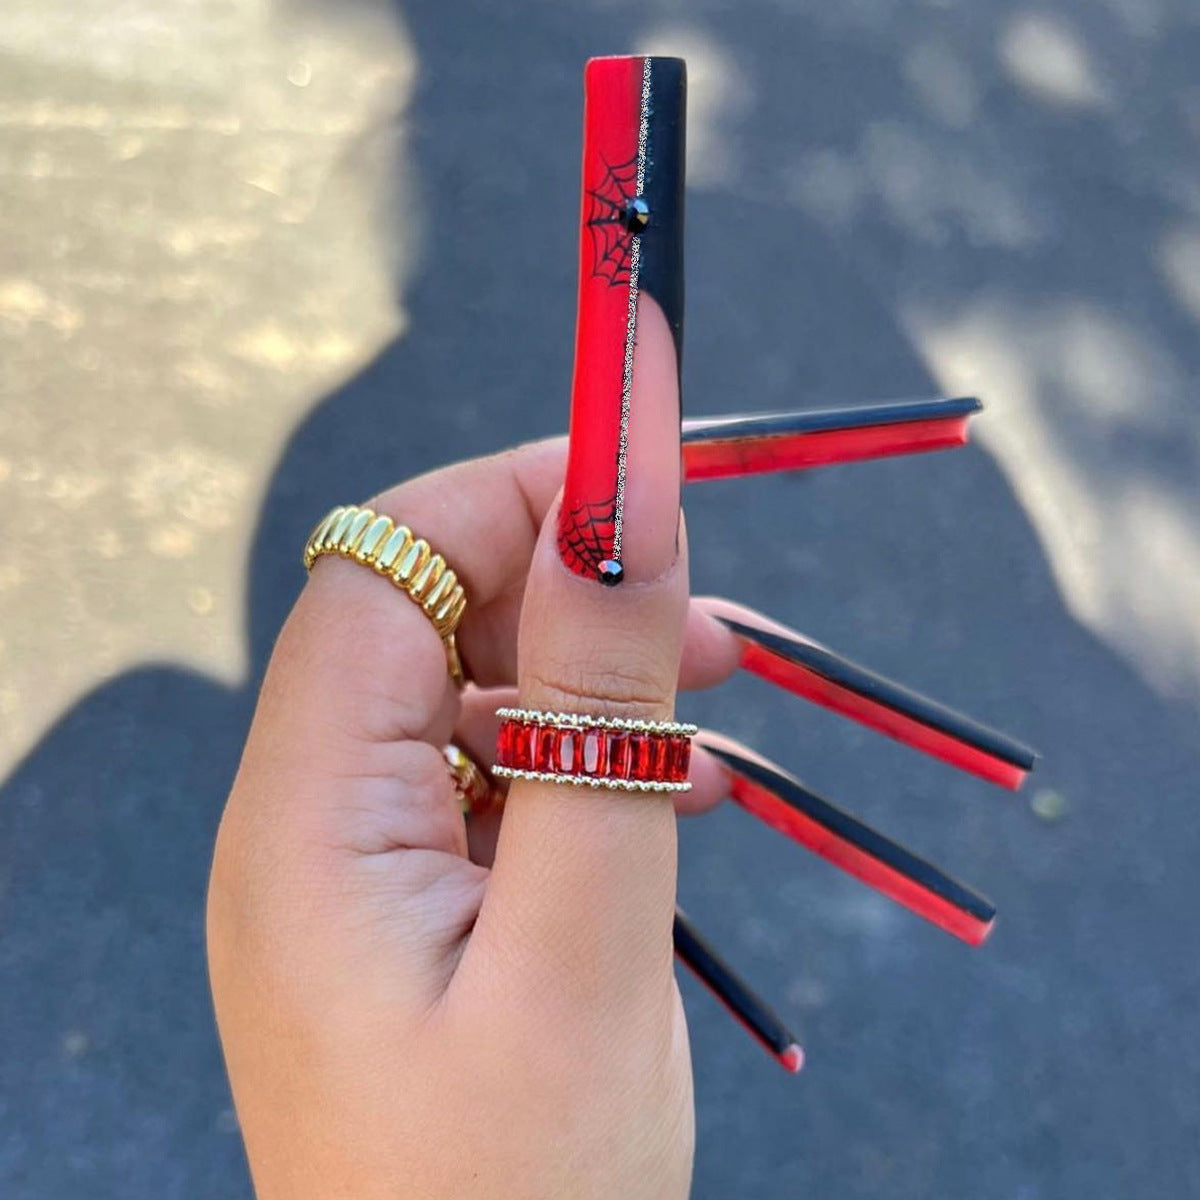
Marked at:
<point>206,245</point>
<point>1047,58</point>
<point>943,82</point>
<point>932,192</point>
<point>1044,255</point>
<point>1179,263</point>
<point>198,191</point>
<point>719,95</point>
<point>1073,389</point>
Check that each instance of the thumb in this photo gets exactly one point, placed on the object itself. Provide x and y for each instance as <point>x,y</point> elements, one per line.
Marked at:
<point>583,885</point>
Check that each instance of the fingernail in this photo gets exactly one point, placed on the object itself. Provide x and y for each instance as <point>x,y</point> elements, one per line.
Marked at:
<point>805,668</point>
<point>783,802</point>
<point>722,447</point>
<point>620,510</point>
<point>743,1003</point>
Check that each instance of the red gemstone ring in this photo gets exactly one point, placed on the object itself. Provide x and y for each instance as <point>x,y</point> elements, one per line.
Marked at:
<point>607,752</point>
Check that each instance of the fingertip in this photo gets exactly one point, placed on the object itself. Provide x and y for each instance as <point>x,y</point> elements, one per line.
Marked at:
<point>712,651</point>
<point>710,780</point>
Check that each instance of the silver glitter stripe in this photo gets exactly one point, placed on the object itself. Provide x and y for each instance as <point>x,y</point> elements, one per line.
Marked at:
<point>635,261</point>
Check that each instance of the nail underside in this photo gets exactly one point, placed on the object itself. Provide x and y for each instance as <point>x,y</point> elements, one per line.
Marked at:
<point>784,803</point>
<point>631,242</point>
<point>809,669</point>
<point>736,995</point>
<point>719,447</point>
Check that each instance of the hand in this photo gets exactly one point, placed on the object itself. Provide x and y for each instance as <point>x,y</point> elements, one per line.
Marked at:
<point>397,1018</point>
<point>406,1011</point>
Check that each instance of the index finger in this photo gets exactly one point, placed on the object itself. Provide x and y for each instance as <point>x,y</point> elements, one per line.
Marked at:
<point>483,517</point>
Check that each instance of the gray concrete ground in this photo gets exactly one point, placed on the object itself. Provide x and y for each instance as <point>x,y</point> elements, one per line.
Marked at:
<point>889,198</point>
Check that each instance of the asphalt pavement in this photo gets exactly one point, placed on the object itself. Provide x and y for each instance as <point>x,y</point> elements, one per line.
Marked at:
<point>889,200</point>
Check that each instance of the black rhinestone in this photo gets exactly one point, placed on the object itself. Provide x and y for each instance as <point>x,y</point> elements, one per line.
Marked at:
<point>611,572</point>
<point>636,215</point>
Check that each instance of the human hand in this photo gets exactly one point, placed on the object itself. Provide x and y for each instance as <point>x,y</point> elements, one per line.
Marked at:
<point>396,1017</point>
<point>408,1010</point>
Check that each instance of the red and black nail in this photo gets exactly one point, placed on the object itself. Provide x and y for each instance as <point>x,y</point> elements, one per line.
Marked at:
<point>719,447</point>
<point>783,802</point>
<point>631,249</point>
<point>808,669</point>
<point>698,955</point>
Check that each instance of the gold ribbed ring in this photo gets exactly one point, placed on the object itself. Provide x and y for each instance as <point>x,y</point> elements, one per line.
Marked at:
<point>407,561</point>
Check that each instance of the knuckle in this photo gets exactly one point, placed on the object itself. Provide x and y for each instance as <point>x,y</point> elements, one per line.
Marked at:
<point>635,688</point>
<point>367,658</point>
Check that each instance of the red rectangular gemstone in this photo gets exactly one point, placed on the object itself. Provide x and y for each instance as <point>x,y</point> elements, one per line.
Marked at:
<point>544,747</point>
<point>618,755</point>
<point>639,756</point>
<point>659,745</point>
<point>595,752</point>
<point>504,745</point>
<point>522,747</point>
<point>566,752</point>
<point>678,759</point>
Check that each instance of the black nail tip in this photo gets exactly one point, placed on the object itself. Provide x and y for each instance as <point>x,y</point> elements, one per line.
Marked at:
<point>816,658</point>
<point>611,572</point>
<point>660,272</point>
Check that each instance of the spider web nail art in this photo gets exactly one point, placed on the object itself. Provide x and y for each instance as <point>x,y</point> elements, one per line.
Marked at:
<point>609,217</point>
<point>583,534</point>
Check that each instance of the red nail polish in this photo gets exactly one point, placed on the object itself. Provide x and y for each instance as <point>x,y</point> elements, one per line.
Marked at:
<point>631,241</point>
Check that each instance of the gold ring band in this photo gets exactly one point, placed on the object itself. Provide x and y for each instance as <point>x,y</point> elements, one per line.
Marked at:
<point>477,791</point>
<point>409,562</point>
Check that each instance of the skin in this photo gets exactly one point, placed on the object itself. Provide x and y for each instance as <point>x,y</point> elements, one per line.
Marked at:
<point>407,1012</point>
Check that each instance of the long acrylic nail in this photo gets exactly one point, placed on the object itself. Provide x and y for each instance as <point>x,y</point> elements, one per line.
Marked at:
<point>808,669</point>
<point>783,802</point>
<point>720,447</point>
<point>619,515</point>
<point>698,955</point>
